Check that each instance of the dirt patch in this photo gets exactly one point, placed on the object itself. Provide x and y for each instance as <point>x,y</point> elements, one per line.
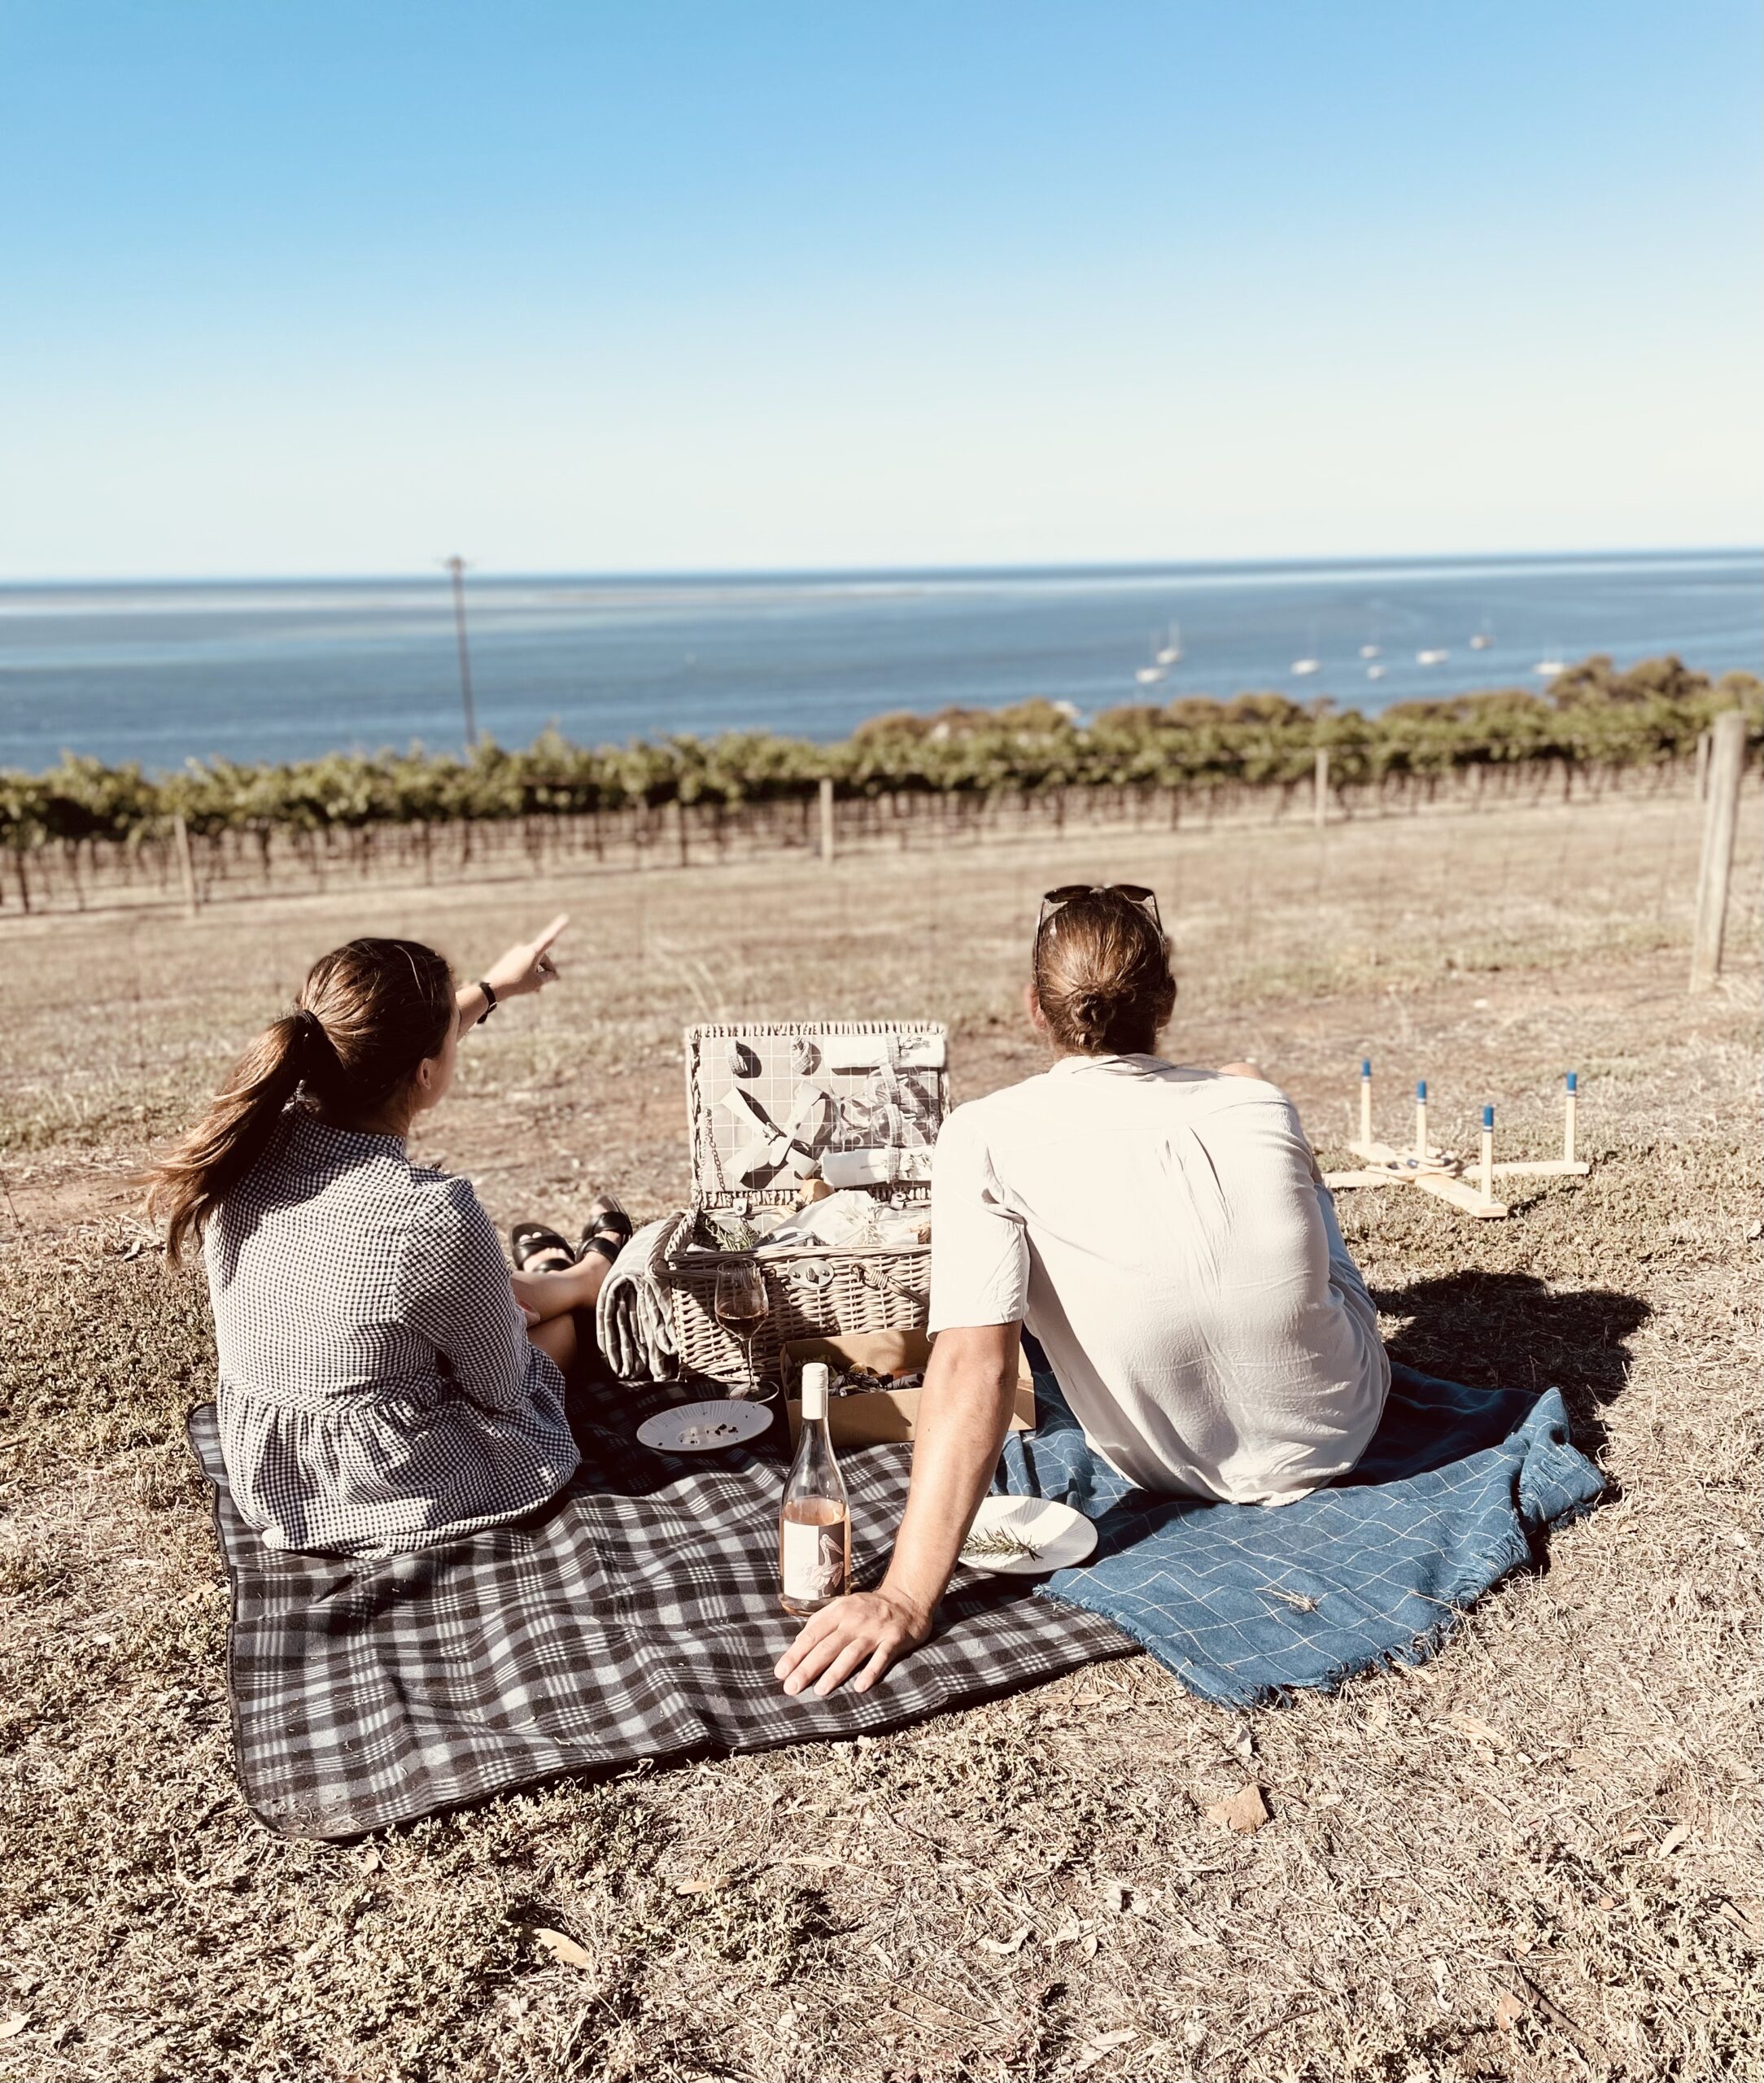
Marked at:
<point>1534,1859</point>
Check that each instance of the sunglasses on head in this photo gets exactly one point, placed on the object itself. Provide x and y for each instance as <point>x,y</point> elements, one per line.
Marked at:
<point>1054,901</point>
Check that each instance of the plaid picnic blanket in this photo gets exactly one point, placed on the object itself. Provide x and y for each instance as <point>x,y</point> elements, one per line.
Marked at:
<point>636,1617</point>
<point>1240,1602</point>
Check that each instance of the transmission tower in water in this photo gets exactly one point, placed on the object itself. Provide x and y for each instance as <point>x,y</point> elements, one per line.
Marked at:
<point>455,566</point>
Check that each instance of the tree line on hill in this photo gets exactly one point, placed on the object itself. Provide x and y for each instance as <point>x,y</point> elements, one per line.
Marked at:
<point>1591,716</point>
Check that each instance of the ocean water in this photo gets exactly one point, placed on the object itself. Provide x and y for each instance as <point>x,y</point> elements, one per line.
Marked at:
<point>286,670</point>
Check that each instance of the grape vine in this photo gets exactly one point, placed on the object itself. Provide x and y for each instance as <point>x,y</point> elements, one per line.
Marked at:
<point>1592,715</point>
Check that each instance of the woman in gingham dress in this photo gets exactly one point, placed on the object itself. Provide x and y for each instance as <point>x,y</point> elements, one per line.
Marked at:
<point>385,1381</point>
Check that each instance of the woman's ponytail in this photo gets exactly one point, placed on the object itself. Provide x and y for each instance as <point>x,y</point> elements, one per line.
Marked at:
<point>230,1137</point>
<point>369,1013</point>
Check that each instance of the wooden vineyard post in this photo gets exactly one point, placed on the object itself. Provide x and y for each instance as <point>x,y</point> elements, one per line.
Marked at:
<point>186,867</point>
<point>1703,742</point>
<point>1721,818</point>
<point>827,817</point>
<point>1319,789</point>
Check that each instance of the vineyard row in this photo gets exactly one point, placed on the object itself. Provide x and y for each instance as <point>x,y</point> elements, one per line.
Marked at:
<point>201,867</point>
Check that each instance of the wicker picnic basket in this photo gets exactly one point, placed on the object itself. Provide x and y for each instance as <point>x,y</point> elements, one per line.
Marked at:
<point>771,1105</point>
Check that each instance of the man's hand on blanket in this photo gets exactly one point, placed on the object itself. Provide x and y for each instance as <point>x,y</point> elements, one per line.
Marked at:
<point>863,1633</point>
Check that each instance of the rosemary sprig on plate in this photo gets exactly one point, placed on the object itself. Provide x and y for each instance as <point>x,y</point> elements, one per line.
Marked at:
<point>999,1544</point>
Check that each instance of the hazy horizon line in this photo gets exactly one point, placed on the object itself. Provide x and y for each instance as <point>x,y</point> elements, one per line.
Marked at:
<point>1095,567</point>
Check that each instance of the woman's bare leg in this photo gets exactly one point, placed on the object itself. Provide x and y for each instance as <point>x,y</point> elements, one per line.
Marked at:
<point>564,1303</point>
<point>559,1304</point>
<point>550,1296</point>
<point>556,1338</point>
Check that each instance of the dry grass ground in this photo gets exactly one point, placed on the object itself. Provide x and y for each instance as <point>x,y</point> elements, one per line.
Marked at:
<point>1534,1859</point>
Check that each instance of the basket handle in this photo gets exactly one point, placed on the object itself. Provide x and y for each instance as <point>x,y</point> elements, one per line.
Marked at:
<point>672,1239</point>
<point>874,1277</point>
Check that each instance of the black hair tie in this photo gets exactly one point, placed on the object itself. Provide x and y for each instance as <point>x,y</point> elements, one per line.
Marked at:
<point>310,1026</point>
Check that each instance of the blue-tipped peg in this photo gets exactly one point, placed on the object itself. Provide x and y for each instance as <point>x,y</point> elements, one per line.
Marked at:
<point>1488,1117</point>
<point>1420,1089</point>
<point>1366,1067</point>
<point>1573,1081</point>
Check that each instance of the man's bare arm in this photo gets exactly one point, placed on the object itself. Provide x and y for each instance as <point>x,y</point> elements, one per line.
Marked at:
<point>964,1413</point>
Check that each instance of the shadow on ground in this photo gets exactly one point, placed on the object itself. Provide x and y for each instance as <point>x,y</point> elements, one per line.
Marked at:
<point>1509,1330</point>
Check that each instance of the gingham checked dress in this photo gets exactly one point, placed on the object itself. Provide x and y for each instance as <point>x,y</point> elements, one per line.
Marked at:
<point>377,1389</point>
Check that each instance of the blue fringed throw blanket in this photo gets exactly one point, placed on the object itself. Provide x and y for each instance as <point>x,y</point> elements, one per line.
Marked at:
<point>1240,1601</point>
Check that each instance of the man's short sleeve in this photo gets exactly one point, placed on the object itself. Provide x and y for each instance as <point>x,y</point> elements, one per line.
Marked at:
<point>980,1253</point>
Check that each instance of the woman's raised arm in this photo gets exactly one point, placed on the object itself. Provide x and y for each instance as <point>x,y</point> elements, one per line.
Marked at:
<point>527,967</point>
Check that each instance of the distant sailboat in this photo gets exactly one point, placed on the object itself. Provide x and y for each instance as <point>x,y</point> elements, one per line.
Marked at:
<point>1431,657</point>
<point>1549,668</point>
<point>1150,675</point>
<point>1482,639</point>
<point>1370,651</point>
<point>1301,666</point>
<point>1374,672</point>
<point>1170,653</point>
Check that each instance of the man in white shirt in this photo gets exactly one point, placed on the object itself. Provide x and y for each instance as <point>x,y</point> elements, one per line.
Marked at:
<point>1165,1234</point>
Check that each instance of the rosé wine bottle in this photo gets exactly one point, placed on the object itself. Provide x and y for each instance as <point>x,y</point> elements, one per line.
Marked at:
<point>814,1524</point>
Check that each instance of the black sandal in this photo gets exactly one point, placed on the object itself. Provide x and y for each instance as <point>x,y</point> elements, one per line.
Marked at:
<point>608,1230</point>
<point>528,1241</point>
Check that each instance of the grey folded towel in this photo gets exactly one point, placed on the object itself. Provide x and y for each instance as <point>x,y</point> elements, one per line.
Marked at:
<point>633,1323</point>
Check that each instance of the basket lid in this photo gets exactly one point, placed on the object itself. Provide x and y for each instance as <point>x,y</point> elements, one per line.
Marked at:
<point>771,1101</point>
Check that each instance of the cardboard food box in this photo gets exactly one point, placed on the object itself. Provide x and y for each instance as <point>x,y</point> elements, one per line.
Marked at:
<point>874,1417</point>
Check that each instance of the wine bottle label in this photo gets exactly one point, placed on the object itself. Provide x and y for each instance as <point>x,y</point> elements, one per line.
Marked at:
<point>814,1561</point>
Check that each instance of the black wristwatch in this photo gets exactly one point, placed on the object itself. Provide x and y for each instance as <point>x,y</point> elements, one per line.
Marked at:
<point>490,1001</point>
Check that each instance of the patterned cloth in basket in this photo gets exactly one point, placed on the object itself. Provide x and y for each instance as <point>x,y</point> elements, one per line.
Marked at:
<point>856,1104</point>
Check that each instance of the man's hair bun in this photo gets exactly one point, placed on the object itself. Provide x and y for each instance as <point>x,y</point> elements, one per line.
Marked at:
<point>1089,1011</point>
<point>1103,976</point>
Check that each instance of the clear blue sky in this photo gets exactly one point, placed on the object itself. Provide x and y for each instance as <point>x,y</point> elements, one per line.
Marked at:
<point>324,287</point>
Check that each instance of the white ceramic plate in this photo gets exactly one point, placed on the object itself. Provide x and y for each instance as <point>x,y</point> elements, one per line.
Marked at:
<point>1031,1535</point>
<point>704,1428</point>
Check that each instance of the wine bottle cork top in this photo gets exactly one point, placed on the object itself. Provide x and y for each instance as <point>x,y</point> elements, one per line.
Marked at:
<point>814,1385</point>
